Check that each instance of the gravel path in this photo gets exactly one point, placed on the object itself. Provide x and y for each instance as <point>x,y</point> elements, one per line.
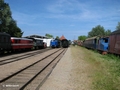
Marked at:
<point>66,76</point>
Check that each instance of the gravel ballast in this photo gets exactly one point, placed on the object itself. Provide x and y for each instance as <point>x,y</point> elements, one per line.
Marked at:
<point>71,73</point>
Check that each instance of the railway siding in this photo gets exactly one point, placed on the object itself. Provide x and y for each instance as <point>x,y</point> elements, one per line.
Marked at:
<point>13,67</point>
<point>24,77</point>
<point>41,78</point>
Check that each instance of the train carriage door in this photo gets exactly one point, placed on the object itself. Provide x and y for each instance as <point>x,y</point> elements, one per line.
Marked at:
<point>117,44</point>
<point>114,49</point>
<point>95,42</point>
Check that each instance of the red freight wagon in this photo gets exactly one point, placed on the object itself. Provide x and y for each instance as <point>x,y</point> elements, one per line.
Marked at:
<point>21,43</point>
<point>114,43</point>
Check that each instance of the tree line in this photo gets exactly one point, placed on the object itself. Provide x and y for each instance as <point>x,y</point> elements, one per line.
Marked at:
<point>7,23</point>
<point>98,31</point>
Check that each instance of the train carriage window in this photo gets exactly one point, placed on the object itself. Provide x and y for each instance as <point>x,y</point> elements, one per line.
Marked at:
<point>95,41</point>
<point>16,41</point>
<point>19,41</point>
<point>105,40</point>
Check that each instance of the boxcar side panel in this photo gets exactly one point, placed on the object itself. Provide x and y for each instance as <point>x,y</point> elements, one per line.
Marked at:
<point>114,45</point>
<point>117,44</point>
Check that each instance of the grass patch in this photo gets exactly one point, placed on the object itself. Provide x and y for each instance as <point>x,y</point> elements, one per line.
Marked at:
<point>105,68</point>
<point>81,71</point>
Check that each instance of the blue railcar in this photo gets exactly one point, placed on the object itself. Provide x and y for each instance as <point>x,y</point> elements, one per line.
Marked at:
<point>55,43</point>
<point>102,44</point>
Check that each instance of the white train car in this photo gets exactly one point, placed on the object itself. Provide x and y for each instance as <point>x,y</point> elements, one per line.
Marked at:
<point>47,41</point>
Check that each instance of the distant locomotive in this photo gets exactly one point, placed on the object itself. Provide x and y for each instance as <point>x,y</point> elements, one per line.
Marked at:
<point>21,44</point>
<point>59,43</point>
<point>55,43</point>
<point>64,43</point>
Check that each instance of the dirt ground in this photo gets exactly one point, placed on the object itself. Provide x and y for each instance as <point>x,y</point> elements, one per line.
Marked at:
<point>71,73</point>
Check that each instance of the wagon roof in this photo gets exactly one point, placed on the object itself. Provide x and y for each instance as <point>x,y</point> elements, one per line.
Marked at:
<point>97,37</point>
<point>115,32</point>
<point>18,38</point>
<point>3,33</point>
<point>91,38</point>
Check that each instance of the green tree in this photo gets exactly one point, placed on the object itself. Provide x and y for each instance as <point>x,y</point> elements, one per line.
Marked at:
<point>5,16</point>
<point>97,31</point>
<point>15,31</point>
<point>7,23</point>
<point>108,32</point>
<point>83,37</point>
<point>49,36</point>
<point>57,37</point>
<point>118,26</point>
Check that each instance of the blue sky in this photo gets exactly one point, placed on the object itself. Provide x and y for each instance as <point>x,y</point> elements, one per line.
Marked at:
<point>70,18</point>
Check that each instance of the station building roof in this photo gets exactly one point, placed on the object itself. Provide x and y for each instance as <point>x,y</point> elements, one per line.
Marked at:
<point>62,37</point>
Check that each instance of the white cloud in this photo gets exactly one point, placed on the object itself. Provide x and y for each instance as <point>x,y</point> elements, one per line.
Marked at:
<point>71,9</point>
<point>70,12</point>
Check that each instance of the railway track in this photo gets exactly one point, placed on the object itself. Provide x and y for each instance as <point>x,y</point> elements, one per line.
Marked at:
<point>32,76</point>
<point>15,58</point>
